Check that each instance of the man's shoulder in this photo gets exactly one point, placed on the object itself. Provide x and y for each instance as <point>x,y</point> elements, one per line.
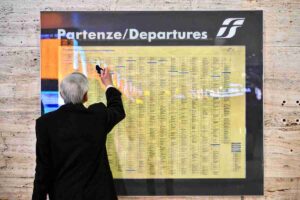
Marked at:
<point>97,107</point>
<point>47,116</point>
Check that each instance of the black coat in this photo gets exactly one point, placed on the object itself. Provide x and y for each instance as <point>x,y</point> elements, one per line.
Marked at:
<point>71,157</point>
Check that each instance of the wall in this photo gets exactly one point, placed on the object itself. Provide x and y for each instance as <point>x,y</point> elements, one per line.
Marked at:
<point>20,86</point>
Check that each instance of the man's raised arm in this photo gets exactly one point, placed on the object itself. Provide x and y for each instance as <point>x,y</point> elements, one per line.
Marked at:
<point>115,110</point>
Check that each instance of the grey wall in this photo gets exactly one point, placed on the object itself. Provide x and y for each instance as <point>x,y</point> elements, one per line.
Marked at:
<point>20,86</point>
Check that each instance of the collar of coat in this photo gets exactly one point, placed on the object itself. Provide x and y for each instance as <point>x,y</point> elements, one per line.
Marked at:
<point>71,106</point>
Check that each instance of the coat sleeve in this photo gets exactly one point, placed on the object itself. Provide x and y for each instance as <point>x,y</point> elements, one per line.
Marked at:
<point>115,109</point>
<point>42,179</point>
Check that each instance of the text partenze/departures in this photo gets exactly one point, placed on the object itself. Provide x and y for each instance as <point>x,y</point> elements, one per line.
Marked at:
<point>132,34</point>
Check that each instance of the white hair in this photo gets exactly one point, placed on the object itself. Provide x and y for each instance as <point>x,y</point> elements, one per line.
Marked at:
<point>73,87</point>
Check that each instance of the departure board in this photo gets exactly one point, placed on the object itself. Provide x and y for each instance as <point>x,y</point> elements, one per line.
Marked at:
<point>192,90</point>
<point>185,109</point>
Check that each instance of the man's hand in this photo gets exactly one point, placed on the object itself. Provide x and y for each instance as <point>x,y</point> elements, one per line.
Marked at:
<point>106,77</point>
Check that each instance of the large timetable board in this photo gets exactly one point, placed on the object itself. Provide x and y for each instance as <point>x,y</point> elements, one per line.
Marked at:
<point>191,84</point>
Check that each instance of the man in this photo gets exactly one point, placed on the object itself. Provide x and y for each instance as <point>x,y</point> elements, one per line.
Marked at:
<point>71,157</point>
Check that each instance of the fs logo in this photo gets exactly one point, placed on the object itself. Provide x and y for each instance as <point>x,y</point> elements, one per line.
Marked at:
<point>232,24</point>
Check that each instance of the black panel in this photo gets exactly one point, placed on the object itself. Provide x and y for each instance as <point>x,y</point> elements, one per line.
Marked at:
<point>249,35</point>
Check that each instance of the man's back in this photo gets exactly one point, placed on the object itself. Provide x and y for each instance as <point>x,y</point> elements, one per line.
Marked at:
<point>72,161</point>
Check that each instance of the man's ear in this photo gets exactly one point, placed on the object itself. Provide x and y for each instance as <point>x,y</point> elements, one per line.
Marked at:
<point>85,97</point>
